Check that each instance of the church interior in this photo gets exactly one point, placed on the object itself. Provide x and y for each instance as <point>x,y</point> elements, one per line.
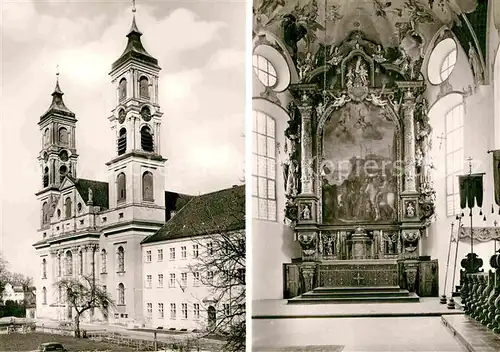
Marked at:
<point>375,179</point>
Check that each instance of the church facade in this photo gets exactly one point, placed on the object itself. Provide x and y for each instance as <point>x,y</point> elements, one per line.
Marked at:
<point>363,119</point>
<point>96,228</point>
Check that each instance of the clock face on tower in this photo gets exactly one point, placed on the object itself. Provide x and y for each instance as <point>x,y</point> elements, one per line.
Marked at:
<point>121,116</point>
<point>146,113</point>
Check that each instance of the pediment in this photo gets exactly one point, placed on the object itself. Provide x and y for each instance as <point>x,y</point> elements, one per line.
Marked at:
<point>67,182</point>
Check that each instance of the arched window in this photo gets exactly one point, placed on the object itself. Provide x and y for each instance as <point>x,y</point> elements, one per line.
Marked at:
<point>63,170</point>
<point>46,177</point>
<point>59,266</point>
<point>121,259</point>
<point>454,130</point>
<point>147,186</point>
<point>44,268</point>
<point>69,263</point>
<point>46,137</point>
<point>44,295</point>
<point>146,139</point>
<point>264,170</point>
<point>265,71</point>
<point>45,213</point>
<point>121,187</point>
<point>121,294</point>
<point>80,258</point>
<point>122,141</point>
<point>67,209</point>
<point>103,261</point>
<point>144,87</point>
<point>63,135</point>
<point>122,88</point>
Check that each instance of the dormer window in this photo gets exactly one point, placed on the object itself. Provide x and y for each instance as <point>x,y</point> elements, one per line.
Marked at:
<point>122,88</point>
<point>144,87</point>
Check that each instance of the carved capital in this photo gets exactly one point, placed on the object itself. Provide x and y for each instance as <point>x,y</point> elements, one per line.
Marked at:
<point>410,239</point>
<point>307,241</point>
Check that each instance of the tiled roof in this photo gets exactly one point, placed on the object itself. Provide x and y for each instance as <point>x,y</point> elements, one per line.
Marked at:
<point>99,191</point>
<point>210,213</point>
<point>57,105</point>
<point>174,202</point>
<point>135,49</point>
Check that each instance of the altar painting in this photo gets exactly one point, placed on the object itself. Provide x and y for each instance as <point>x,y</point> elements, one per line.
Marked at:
<point>358,169</point>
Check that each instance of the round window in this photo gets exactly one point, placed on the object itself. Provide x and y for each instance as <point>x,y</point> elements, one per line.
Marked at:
<point>265,71</point>
<point>442,61</point>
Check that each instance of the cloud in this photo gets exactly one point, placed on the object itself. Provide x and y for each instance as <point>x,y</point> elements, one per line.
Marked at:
<point>227,59</point>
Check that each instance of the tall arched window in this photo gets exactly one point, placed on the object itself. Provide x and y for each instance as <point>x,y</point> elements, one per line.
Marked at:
<point>122,141</point>
<point>67,207</point>
<point>44,295</point>
<point>44,268</point>
<point>46,177</point>
<point>264,167</point>
<point>80,260</point>
<point>454,130</point>
<point>104,258</point>
<point>146,139</point>
<point>144,87</point>
<point>121,187</point>
<point>69,263</point>
<point>59,266</point>
<point>122,88</point>
<point>63,135</point>
<point>121,294</point>
<point>46,136</point>
<point>147,186</point>
<point>121,259</point>
<point>45,213</point>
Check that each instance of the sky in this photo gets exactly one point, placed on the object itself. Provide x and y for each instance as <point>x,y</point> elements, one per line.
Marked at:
<point>200,47</point>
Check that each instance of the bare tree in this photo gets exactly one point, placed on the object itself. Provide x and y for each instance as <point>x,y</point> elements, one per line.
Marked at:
<point>221,261</point>
<point>4,273</point>
<point>18,279</point>
<point>83,294</point>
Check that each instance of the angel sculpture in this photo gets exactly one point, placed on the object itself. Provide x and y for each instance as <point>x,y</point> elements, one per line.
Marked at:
<point>340,101</point>
<point>336,57</point>
<point>376,99</point>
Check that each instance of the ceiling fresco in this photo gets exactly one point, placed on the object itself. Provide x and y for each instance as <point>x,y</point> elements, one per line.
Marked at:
<point>307,26</point>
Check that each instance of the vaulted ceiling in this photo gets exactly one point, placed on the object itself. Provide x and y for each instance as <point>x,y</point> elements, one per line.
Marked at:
<point>329,22</point>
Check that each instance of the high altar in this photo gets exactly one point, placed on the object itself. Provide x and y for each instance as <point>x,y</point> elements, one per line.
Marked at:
<point>359,194</point>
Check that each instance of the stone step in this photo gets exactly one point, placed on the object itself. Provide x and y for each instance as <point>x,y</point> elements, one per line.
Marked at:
<point>337,294</point>
<point>348,289</point>
<point>409,298</point>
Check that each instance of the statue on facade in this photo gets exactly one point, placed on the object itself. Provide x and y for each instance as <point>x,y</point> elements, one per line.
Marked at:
<point>378,56</point>
<point>306,213</point>
<point>410,210</point>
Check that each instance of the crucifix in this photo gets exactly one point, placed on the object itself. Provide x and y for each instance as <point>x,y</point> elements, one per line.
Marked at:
<point>441,138</point>
<point>358,278</point>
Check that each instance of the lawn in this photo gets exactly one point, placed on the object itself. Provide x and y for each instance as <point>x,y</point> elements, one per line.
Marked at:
<point>29,342</point>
